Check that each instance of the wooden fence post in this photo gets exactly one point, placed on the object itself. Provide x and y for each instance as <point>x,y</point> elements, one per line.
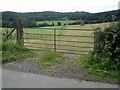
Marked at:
<point>54,40</point>
<point>19,32</point>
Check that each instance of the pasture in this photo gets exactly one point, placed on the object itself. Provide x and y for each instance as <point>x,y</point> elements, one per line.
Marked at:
<point>55,22</point>
<point>43,39</point>
<point>66,40</point>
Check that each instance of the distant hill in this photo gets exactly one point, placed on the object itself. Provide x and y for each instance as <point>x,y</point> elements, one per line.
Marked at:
<point>10,17</point>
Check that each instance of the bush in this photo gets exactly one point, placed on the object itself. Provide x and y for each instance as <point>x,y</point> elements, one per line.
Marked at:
<point>107,47</point>
<point>59,23</point>
<point>74,23</point>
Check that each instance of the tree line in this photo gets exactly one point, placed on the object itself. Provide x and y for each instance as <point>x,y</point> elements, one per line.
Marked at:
<point>30,18</point>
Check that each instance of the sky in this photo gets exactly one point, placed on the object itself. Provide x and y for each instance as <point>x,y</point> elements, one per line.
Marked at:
<point>92,6</point>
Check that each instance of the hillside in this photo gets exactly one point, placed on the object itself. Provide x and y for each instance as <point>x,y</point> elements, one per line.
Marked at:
<point>9,17</point>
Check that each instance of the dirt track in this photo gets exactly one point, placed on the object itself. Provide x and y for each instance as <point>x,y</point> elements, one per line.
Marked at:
<point>63,70</point>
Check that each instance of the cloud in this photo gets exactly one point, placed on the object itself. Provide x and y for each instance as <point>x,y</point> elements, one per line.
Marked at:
<point>58,5</point>
<point>119,5</point>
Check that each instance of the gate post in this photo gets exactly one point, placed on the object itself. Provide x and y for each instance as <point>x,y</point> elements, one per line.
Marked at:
<point>19,32</point>
<point>54,40</point>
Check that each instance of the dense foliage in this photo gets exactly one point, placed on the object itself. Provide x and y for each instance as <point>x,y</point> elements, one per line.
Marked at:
<point>107,47</point>
<point>30,18</point>
<point>59,23</point>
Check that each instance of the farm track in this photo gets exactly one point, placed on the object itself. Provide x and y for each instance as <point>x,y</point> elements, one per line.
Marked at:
<point>63,70</point>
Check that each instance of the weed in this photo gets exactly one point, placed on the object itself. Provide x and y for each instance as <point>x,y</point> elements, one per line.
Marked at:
<point>49,58</point>
<point>12,52</point>
<point>95,67</point>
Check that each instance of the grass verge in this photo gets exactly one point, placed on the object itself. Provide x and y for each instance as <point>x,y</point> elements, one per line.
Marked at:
<point>49,58</point>
<point>87,62</point>
<point>12,52</point>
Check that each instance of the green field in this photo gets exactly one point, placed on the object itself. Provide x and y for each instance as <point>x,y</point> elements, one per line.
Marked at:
<point>86,26</point>
<point>55,22</point>
<point>37,30</point>
<point>40,42</point>
<point>40,31</point>
<point>75,46</point>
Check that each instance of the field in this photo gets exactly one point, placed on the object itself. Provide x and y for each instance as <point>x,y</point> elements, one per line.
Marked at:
<point>36,30</point>
<point>55,22</point>
<point>69,40</point>
<point>66,40</point>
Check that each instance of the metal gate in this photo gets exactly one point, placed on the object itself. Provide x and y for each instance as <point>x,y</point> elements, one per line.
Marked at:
<point>67,40</point>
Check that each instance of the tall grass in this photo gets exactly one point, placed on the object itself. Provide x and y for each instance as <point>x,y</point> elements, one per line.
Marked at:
<point>95,67</point>
<point>13,52</point>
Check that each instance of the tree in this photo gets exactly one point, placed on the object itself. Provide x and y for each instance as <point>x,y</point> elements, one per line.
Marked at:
<point>58,23</point>
<point>53,24</point>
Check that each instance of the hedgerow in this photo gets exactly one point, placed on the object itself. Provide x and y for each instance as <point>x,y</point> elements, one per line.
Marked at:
<point>107,47</point>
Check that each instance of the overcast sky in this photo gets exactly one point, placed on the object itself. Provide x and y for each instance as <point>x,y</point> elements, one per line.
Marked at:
<point>92,6</point>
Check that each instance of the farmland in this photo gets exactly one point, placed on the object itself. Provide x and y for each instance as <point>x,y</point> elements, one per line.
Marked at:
<point>88,26</point>
<point>55,22</point>
<point>76,45</point>
<point>67,38</point>
<point>41,41</point>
